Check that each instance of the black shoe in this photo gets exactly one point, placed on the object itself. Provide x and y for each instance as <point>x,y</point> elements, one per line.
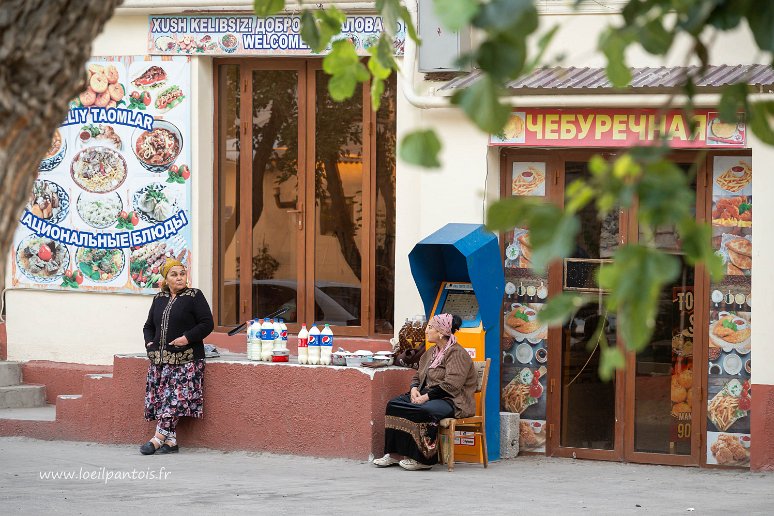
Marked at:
<point>148,448</point>
<point>165,448</point>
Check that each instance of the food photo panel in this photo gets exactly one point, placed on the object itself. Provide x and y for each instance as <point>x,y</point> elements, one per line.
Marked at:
<point>161,88</point>
<point>732,175</point>
<point>523,390</point>
<point>533,434</point>
<point>728,405</point>
<point>528,178</point>
<point>518,250</point>
<point>727,449</point>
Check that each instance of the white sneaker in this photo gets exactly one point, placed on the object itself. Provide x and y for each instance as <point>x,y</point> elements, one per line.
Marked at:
<point>412,465</point>
<point>385,461</point>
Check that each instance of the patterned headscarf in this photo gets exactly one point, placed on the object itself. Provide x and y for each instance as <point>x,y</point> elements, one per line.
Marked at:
<point>171,262</point>
<point>442,323</point>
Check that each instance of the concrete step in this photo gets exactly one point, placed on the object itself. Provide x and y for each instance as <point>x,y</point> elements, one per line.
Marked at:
<point>45,413</point>
<point>22,396</point>
<point>10,373</point>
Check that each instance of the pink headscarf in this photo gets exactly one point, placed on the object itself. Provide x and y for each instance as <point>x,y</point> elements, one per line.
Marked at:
<point>442,323</point>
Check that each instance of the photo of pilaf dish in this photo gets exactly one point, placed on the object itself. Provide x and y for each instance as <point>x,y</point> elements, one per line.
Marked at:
<point>98,169</point>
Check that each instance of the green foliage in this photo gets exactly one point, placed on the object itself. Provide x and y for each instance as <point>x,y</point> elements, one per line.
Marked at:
<point>560,307</point>
<point>644,177</point>
<point>481,104</point>
<point>268,7</point>
<point>421,148</point>
<point>345,69</point>
<point>318,27</point>
<point>635,279</point>
<point>552,231</point>
<point>455,14</point>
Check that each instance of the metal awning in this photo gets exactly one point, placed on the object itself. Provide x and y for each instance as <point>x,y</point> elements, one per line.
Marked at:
<point>559,80</point>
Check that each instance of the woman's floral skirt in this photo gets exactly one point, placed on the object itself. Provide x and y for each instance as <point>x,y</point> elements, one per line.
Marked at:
<point>174,390</point>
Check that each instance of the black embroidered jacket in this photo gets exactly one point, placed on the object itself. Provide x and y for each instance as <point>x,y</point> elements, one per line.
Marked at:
<point>187,314</point>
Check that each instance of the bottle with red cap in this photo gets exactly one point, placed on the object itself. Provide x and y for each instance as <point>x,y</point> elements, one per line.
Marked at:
<point>303,343</point>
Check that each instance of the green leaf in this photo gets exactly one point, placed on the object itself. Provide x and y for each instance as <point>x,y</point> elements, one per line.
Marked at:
<point>455,14</point>
<point>760,116</point>
<point>421,148</point>
<point>654,38</point>
<point>613,44</point>
<point>410,29</point>
<point>310,32</point>
<point>501,58</point>
<point>391,13</point>
<point>503,15</point>
<point>728,15</point>
<point>377,88</point>
<point>732,101</point>
<point>664,194</point>
<point>760,17</point>
<point>696,242</point>
<point>264,8</point>
<point>611,359</point>
<point>482,105</point>
<point>318,27</point>
<point>744,207</point>
<point>635,279</point>
<point>552,231</point>
<point>560,308</point>
<point>344,65</point>
<point>381,63</point>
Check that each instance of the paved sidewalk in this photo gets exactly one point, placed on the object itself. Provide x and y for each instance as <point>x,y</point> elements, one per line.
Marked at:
<point>203,481</point>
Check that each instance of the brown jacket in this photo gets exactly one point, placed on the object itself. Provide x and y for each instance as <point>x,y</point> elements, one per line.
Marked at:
<point>456,375</point>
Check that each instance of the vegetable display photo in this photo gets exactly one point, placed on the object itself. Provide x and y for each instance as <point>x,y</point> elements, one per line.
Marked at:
<point>115,176</point>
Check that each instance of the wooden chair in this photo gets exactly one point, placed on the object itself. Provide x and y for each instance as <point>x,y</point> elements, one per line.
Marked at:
<point>476,424</point>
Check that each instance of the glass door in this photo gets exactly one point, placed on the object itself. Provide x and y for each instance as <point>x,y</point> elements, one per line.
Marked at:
<point>662,405</point>
<point>586,407</point>
<point>298,195</point>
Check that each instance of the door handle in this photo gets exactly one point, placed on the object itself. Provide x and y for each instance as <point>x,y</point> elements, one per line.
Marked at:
<point>299,216</point>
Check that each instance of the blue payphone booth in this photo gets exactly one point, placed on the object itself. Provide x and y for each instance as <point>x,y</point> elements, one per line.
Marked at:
<point>458,269</point>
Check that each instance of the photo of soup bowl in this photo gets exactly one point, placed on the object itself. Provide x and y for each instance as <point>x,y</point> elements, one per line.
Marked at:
<point>157,149</point>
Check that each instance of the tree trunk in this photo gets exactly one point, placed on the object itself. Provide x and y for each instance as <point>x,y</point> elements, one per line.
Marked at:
<point>44,45</point>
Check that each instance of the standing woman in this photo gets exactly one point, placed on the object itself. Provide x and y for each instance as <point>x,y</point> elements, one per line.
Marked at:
<point>442,387</point>
<point>178,321</point>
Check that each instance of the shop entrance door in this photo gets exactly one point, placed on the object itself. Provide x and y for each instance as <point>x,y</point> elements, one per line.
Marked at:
<point>650,411</point>
<point>294,188</point>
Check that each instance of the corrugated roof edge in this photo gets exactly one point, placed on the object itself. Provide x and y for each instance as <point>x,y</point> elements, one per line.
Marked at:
<point>759,77</point>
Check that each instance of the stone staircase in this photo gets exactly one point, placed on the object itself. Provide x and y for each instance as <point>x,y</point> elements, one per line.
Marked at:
<point>16,395</point>
<point>19,401</point>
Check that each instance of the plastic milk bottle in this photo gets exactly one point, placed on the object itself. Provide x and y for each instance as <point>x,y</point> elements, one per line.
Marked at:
<point>314,345</point>
<point>267,340</point>
<point>277,334</point>
<point>326,345</point>
<point>252,330</point>
<point>283,334</point>
<point>303,342</point>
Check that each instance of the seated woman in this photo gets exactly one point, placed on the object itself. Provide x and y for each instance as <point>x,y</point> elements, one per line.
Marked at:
<point>442,387</point>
